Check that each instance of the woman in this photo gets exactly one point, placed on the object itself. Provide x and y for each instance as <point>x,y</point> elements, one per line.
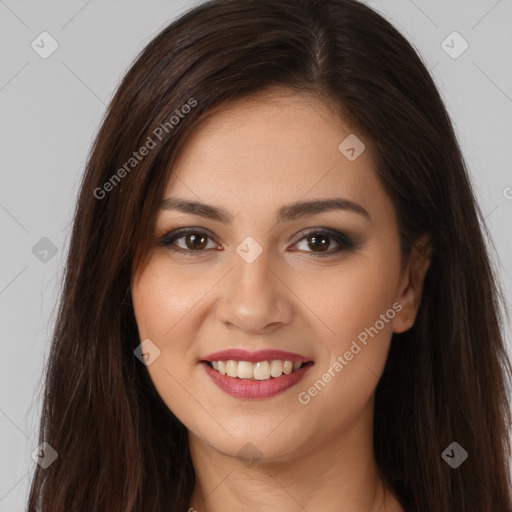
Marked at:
<point>278,295</point>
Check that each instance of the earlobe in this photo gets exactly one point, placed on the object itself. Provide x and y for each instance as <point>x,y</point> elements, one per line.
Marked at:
<point>411,285</point>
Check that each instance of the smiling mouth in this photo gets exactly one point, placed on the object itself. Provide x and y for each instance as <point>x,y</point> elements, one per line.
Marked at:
<point>259,371</point>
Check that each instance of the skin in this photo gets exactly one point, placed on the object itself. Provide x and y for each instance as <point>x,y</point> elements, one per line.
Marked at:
<point>250,158</point>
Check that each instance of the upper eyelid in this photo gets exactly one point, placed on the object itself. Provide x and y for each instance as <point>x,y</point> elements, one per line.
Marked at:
<point>333,233</point>
<point>181,232</point>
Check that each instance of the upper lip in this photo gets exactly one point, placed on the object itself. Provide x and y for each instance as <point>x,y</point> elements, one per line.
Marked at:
<point>239,354</point>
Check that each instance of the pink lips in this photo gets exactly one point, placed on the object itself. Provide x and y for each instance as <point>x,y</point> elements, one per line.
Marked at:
<point>254,389</point>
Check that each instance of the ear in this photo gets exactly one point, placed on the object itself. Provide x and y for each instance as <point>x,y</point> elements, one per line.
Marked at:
<point>411,283</point>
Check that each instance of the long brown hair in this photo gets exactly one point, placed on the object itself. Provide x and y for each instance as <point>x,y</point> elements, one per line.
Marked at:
<point>447,378</point>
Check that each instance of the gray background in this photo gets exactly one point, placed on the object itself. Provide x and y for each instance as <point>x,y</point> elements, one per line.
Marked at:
<point>51,108</point>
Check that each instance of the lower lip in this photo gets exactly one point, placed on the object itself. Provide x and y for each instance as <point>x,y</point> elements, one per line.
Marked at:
<point>256,389</point>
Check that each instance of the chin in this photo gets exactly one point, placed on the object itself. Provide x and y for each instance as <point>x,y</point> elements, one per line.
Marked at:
<point>260,445</point>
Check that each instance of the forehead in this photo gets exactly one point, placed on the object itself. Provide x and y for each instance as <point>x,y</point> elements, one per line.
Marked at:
<point>272,148</point>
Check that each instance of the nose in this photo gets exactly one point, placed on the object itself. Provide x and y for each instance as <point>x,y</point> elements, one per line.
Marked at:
<point>254,297</point>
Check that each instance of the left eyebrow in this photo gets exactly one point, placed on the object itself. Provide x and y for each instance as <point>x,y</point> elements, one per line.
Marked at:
<point>316,206</point>
<point>284,214</point>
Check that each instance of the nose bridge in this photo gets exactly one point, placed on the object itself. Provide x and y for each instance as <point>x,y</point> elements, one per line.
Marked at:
<point>255,276</point>
<point>252,266</point>
<point>254,297</point>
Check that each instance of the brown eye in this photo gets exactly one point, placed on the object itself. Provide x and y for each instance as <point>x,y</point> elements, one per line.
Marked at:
<point>192,242</point>
<point>317,243</point>
<point>195,241</point>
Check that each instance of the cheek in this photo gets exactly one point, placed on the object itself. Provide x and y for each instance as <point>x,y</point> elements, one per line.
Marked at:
<point>355,355</point>
<point>162,303</point>
<point>162,299</point>
<point>357,306</point>
<point>356,297</point>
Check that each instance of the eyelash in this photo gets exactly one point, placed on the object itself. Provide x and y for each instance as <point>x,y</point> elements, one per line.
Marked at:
<point>343,241</point>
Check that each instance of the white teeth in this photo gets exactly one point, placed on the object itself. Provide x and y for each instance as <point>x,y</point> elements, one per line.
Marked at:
<point>244,370</point>
<point>262,370</point>
<point>231,368</point>
<point>276,368</point>
<point>287,367</point>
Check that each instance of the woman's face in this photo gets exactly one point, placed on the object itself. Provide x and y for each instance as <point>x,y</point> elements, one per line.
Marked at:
<point>323,283</point>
